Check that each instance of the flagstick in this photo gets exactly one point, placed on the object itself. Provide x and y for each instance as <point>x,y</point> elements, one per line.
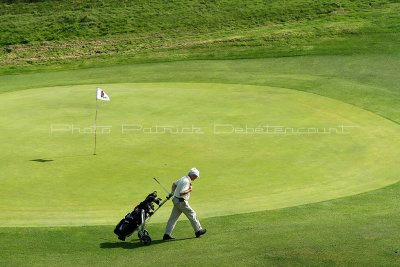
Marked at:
<point>95,127</point>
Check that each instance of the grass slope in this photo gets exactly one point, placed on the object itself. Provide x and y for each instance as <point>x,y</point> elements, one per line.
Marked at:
<point>354,231</point>
<point>92,33</point>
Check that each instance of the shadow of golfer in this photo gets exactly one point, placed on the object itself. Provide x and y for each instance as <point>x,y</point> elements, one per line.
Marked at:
<point>138,244</point>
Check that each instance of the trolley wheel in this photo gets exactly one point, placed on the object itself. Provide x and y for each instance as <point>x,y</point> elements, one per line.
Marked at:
<point>142,233</point>
<point>146,239</point>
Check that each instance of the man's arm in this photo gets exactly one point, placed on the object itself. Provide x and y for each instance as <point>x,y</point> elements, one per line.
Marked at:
<point>173,187</point>
<point>187,191</point>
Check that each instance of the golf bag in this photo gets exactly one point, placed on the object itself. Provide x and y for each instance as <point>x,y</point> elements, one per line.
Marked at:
<point>138,217</point>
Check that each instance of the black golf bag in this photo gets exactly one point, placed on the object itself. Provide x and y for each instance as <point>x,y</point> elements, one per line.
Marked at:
<point>138,217</point>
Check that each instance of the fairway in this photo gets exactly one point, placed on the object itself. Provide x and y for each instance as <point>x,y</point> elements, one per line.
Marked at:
<point>264,147</point>
<point>289,109</point>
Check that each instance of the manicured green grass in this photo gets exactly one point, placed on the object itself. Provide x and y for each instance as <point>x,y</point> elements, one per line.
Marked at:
<point>354,231</point>
<point>300,154</point>
<point>368,81</point>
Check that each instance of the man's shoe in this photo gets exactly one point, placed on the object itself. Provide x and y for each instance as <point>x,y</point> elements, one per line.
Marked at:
<point>168,237</point>
<point>200,232</point>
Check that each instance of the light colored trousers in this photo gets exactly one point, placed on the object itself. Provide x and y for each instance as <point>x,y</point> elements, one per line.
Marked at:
<point>177,210</point>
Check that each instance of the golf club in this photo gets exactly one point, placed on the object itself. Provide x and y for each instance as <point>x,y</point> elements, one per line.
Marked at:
<point>162,186</point>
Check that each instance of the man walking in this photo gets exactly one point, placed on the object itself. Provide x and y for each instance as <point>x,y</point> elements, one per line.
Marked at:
<point>181,191</point>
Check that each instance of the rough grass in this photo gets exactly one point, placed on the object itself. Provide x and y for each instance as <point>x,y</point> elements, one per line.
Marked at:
<point>91,32</point>
<point>77,19</point>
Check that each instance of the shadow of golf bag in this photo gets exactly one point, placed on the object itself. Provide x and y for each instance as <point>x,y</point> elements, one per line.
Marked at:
<point>138,217</point>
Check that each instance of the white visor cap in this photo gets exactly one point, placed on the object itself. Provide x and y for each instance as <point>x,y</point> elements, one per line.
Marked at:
<point>194,171</point>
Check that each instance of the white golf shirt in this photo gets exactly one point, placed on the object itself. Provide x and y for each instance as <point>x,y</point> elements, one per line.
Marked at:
<point>181,186</point>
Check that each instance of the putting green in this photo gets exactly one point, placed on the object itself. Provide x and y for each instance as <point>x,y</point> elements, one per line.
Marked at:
<point>257,148</point>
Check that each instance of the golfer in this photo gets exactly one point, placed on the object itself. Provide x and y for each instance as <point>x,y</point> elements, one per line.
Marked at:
<point>181,192</point>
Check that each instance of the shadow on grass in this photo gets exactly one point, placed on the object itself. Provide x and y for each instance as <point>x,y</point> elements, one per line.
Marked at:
<point>138,244</point>
<point>44,160</point>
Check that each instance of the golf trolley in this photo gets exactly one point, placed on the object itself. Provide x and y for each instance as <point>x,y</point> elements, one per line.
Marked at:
<point>137,218</point>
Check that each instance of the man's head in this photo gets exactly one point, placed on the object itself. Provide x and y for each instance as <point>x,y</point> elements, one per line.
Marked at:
<point>194,174</point>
